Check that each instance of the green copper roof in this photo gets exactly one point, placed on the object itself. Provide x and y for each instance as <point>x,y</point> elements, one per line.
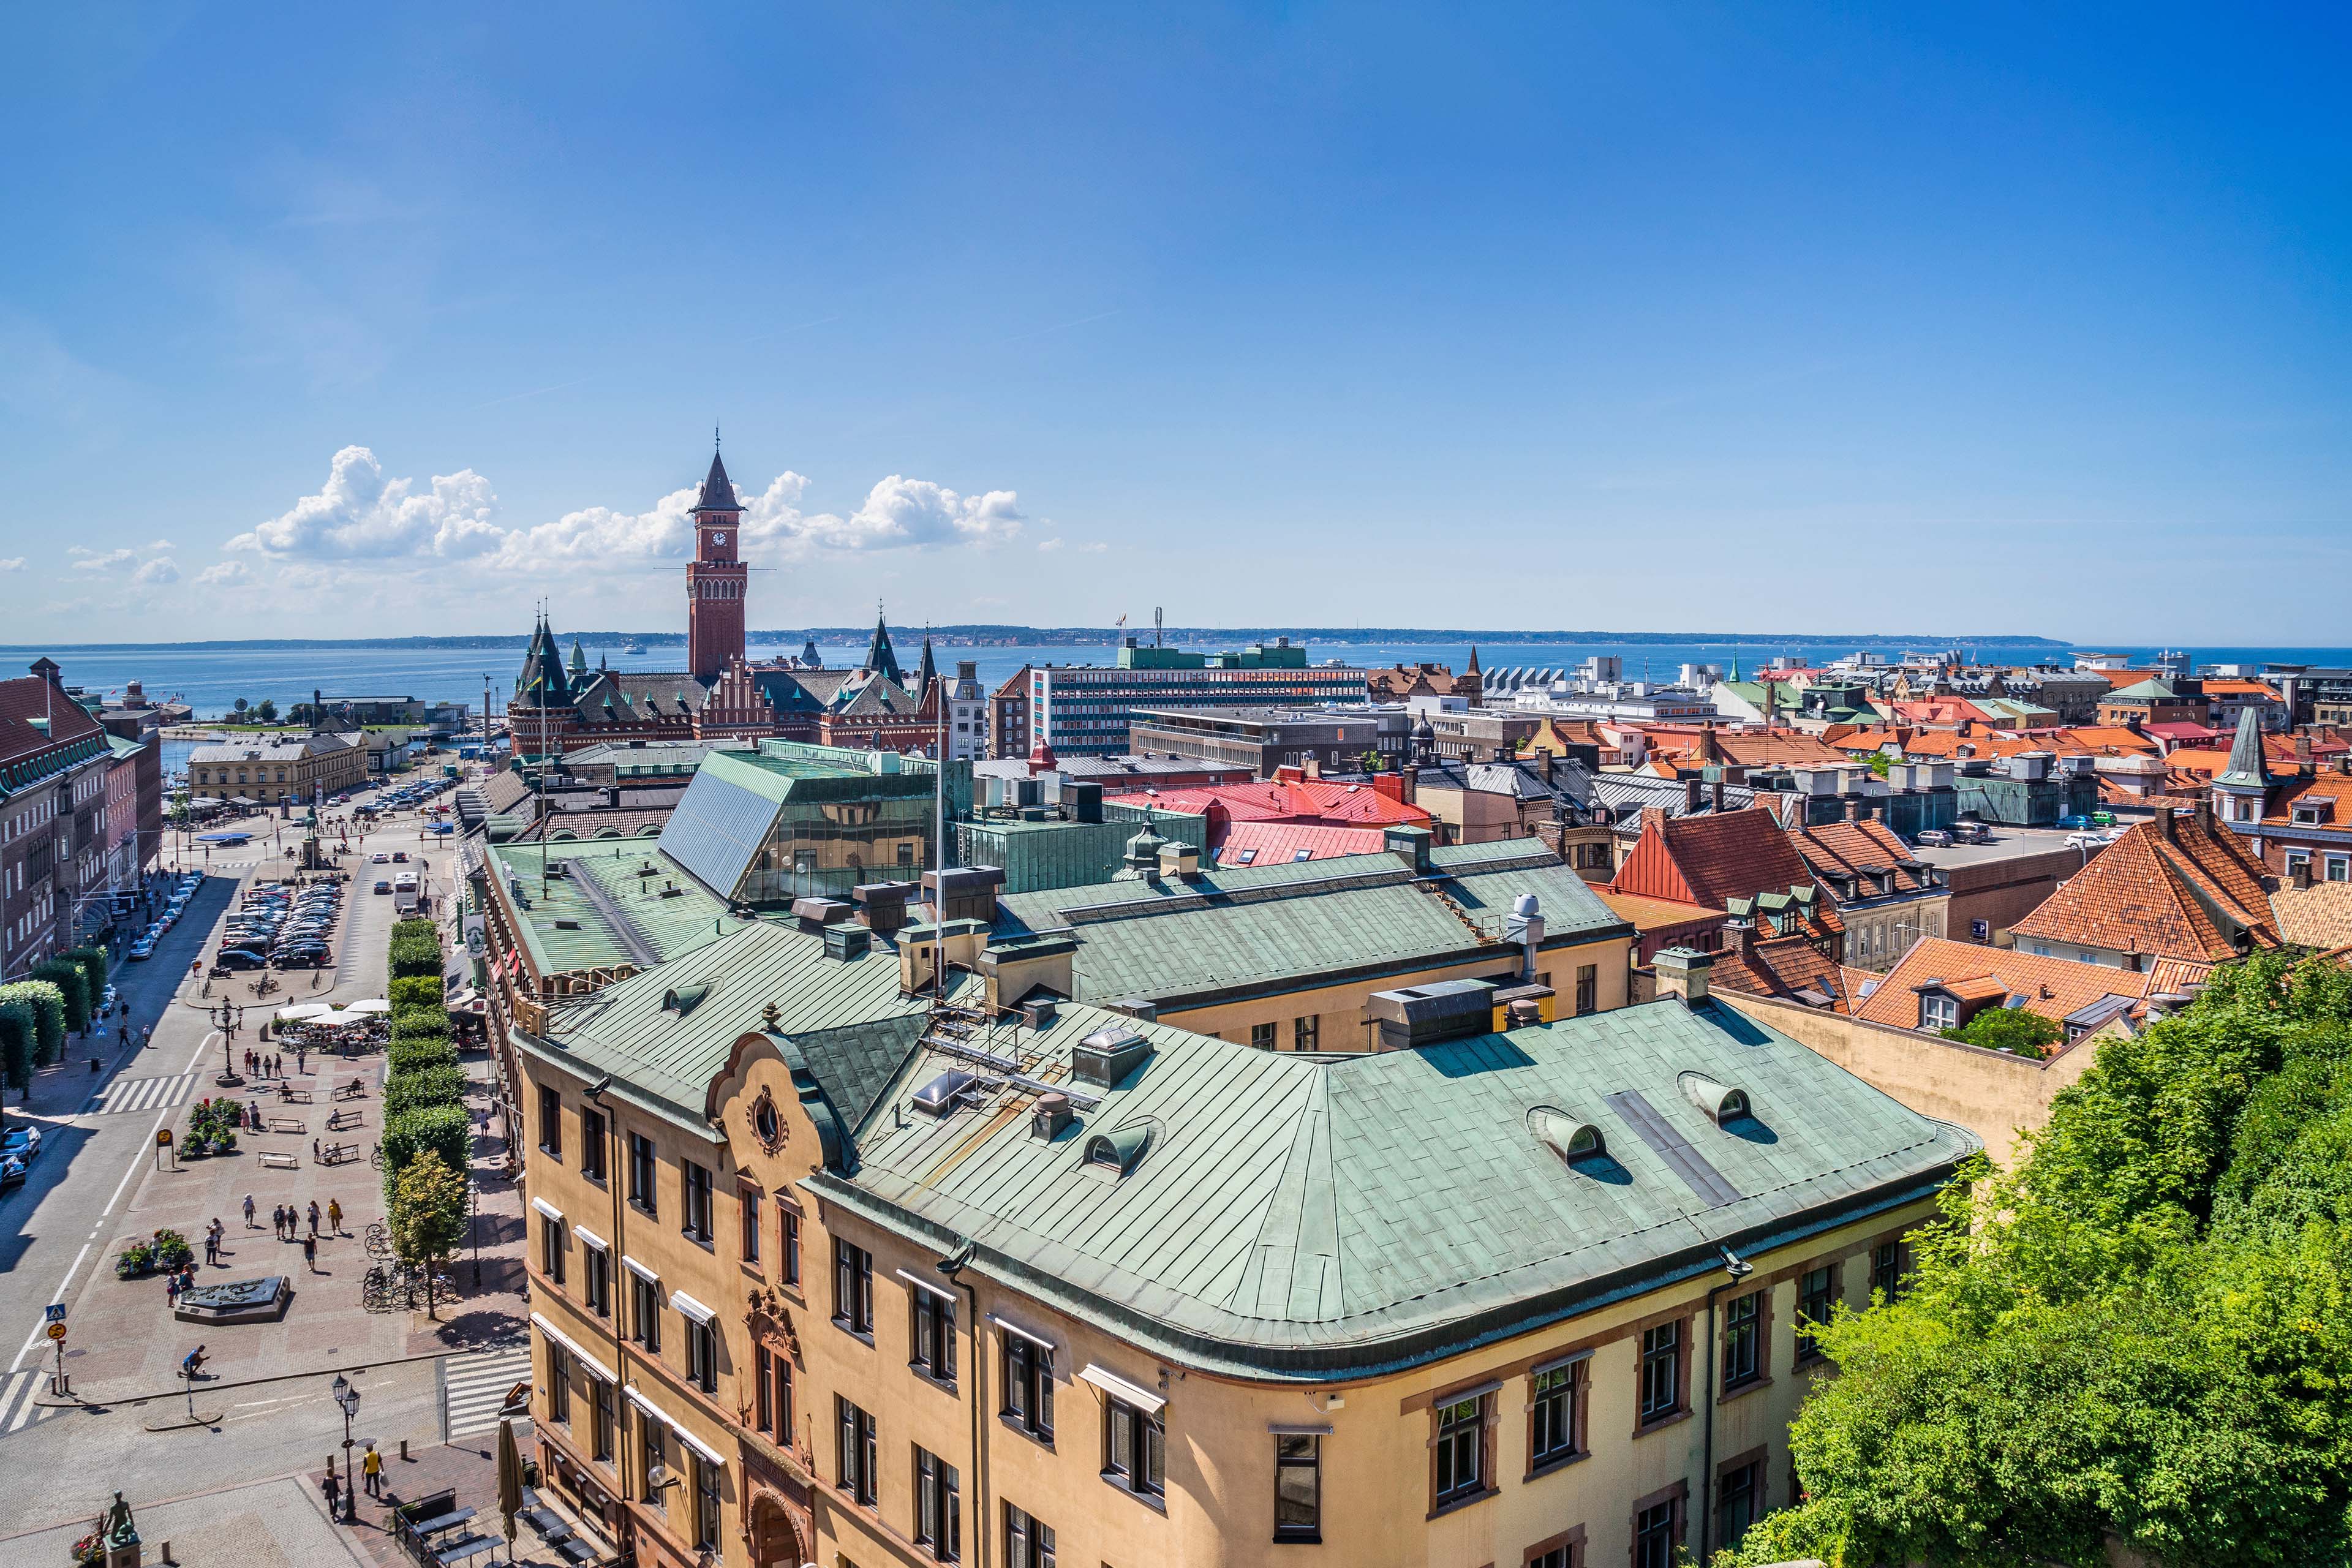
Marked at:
<point>1335,1216</point>
<point>2149,690</point>
<point>596,910</point>
<point>2247,769</point>
<point>1254,928</point>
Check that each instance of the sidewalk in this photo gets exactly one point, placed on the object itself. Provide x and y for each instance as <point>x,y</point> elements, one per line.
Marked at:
<point>276,1524</point>
<point>469,1468</point>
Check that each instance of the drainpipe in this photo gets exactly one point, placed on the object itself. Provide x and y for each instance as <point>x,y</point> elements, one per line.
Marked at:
<point>1739,1269</point>
<point>983,1519</point>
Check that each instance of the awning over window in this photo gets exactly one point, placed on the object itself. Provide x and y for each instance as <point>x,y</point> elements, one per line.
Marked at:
<point>639,1269</point>
<point>691,1308</point>
<point>1125,1393</point>
<point>548,1210</point>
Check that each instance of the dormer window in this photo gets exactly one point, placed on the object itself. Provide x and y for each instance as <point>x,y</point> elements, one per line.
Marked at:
<point>1938,1011</point>
<point>1116,1154</point>
<point>2310,813</point>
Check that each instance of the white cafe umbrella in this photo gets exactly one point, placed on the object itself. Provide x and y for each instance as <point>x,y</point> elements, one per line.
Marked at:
<point>302,1010</point>
<point>337,1018</point>
<point>372,1005</point>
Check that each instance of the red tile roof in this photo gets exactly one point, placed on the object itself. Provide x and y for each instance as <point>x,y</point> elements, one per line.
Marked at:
<point>2171,897</point>
<point>1279,843</point>
<point>1852,849</point>
<point>2053,987</point>
<point>1788,967</point>
<point>1305,800</point>
<point>2331,791</point>
<point>25,702</point>
<point>1720,856</point>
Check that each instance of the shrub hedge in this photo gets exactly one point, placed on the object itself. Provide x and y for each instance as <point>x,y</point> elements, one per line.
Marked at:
<point>49,1005</point>
<point>19,1030</point>
<point>422,1089</point>
<point>72,985</point>
<point>440,1128</point>
<point>415,991</point>
<point>92,960</point>
<point>417,1056</point>
<point>415,956</point>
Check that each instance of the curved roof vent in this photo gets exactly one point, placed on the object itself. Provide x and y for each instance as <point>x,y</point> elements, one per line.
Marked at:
<point>1117,1152</point>
<point>1565,1135</point>
<point>683,999</point>
<point>1721,1102</point>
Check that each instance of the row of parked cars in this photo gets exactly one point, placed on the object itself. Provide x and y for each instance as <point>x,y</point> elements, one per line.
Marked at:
<point>411,796</point>
<point>282,927</point>
<point>189,884</point>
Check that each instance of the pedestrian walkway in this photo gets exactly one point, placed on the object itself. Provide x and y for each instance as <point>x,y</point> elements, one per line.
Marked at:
<point>17,1391</point>
<point>474,1389</point>
<point>127,1095</point>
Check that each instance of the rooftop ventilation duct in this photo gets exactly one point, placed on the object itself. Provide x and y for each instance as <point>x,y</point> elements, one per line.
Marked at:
<point>1571,1138</point>
<point>683,999</point>
<point>944,1094</point>
<point>1416,1015</point>
<point>1108,1056</point>
<point>815,914</point>
<point>847,941</point>
<point>1120,1149</point>
<point>1049,1116</point>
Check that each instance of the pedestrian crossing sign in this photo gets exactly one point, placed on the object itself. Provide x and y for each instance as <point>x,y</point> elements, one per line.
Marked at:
<point>56,1312</point>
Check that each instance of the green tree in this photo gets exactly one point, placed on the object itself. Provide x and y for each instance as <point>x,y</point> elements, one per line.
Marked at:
<point>72,985</point>
<point>2141,1331</point>
<point>49,1005</point>
<point>20,1029</point>
<point>2012,1029</point>
<point>426,1217</point>
<point>423,1090</point>
<point>267,710</point>
<point>438,1128</point>
<point>92,964</point>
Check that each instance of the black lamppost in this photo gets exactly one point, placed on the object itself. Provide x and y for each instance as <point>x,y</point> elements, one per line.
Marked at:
<point>225,1018</point>
<point>349,1398</point>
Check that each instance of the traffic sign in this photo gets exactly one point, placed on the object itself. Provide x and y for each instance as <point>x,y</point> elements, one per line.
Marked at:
<point>163,1137</point>
<point>57,1330</point>
<point>56,1312</point>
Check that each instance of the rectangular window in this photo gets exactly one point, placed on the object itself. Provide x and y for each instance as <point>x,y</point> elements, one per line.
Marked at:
<point>1297,1487</point>
<point>1661,1371</point>
<point>853,1450</point>
<point>1027,1543</point>
<point>600,1393</point>
<point>559,1385</point>
<point>641,1172</point>
<point>1461,1450</point>
<point>550,1249</point>
<point>645,1313</point>
<point>1261,1036</point>
<point>938,1516</point>
<point>2298,860</point>
<point>1743,1340</point>
<point>1303,1032</point>
<point>853,1288</point>
<point>1588,988</point>
<point>597,1264</point>
<point>763,1407</point>
<point>747,1209</point>
<point>592,1145</point>
<point>1029,1387</point>
<point>550,1123</point>
<point>693,1183</point>
<point>1553,1427</point>
<point>1886,1267</point>
<point>792,1245</point>
<point>1937,1011</point>
<point>933,1322</point>
<point>706,1503</point>
<point>1740,1499</point>
<point>1657,1531</point>
<point>702,1355</point>
<point>1816,1298</point>
<point>1134,1449</point>
<point>653,1450</point>
<point>2339,868</point>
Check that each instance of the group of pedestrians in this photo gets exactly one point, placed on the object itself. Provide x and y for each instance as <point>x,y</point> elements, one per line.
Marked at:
<point>287,1221</point>
<point>263,1064</point>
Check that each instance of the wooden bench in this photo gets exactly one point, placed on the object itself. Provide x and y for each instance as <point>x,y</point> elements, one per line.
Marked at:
<point>288,1094</point>
<point>342,1120</point>
<point>336,1154</point>
<point>288,1124</point>
<point>351,1089</point>
<point>466,1550</point>
<point>280,1161</point>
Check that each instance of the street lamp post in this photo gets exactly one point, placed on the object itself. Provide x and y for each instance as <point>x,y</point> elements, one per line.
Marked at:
<point>348,1398</point>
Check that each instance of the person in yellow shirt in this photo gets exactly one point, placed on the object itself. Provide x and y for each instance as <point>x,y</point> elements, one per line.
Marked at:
<point>372,1468</point>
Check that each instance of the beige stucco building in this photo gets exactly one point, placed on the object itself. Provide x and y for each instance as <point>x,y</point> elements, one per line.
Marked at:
<point>277,768</point>
<point>826,1270</point>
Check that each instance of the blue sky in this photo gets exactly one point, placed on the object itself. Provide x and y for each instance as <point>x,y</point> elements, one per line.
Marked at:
<point>347,320</point>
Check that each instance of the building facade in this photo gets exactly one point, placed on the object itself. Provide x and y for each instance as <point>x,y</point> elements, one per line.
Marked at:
<point>278,772</point>
<point>807,1290</point>
<point>1084,710</point>
<point>55,763</point>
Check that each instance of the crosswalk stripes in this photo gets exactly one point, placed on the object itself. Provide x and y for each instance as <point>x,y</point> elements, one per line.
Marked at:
<point>17,1390</point>
<point>474,1388</point>
<point>142,1094</point>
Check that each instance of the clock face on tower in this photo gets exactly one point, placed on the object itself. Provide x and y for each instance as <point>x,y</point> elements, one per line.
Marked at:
<point>719,537</point>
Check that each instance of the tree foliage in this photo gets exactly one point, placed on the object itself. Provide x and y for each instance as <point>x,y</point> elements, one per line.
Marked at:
<point>416,991</point>
<point>49,1005</point>
<point>426,1212</point>
<point>73,986</point>
<point>92,964</point>
<point>19,1033</point>
<point>422,1090</point>
<point>2144,1331</point>
<point>2012,1029</point>
<point>430,1130</point>
<point>416,1055</point>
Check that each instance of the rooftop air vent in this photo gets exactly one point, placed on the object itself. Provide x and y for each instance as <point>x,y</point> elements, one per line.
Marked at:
<point>1414,1015</point>
<point>1049,1116</point>
<point>1117,1152</point>
<point>684,999</point>
<point>847,941</point>
<point>1567,1136</point>
<point>943,1095</point>
<point>1721,1102</point>
<point>1108,1056</point>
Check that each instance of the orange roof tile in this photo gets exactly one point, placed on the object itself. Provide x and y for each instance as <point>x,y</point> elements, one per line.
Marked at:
<point>1718,856</point>
<point>2149,893</point>
<point>1647,914</point>
<point>2318,916</point>
<point>1788,967</point>
<point>2053,987</point>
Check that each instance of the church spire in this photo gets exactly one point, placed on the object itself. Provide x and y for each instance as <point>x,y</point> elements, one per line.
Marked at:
<point>578,665</point>
<point>718,491</point>
<point>2246,770</point>
<point>879,657</point>
<point>925,671</point>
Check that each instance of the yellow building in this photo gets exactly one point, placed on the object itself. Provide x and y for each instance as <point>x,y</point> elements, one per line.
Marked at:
<point>278,769</point>
<point>828,1271</point>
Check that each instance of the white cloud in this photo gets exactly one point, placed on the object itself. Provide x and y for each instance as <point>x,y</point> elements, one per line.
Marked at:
<point>360,514</point>
<point>227,574</point>
<point>92,560</point>
<point>1096,548</point>
<point>14,563</point>
<point>160,544</point>
<point>1044,545</point>
<point>162,569</point>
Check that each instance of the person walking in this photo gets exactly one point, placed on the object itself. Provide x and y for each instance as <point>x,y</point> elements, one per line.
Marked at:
<point>314,1157</point>
<point>248,1212</point>
<point>334,1491</point>
<point>314,1216</point>
<point>311,1252</point>
<point>212,1249</point>
<point>335,1216</point>
<point>372,1470</point>
<point>278,1217</point>
<point>171,1289</point>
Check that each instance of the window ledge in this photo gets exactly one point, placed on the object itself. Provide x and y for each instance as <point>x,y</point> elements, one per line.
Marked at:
<point>701,1241</point>
<point>1469,1499</point>
<point>1299,1538</point>
<point>1157,1505</point>
<point>1557,1462</point>
<point>1741,1390</point>
<point>924,1375</point>
<point>1663,1422</point>
<point>864,1336</point>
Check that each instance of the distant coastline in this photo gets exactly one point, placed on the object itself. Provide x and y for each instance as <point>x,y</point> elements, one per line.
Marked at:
<point>1095,636</point>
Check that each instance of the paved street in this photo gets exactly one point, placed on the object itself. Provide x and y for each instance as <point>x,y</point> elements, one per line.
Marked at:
<point>99,1183</point>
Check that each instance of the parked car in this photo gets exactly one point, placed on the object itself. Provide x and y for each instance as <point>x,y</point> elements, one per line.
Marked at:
<point>20,1143</point>
<point>143,948</point>
<point>2086,841</point>
<point>242,958</point>
<point>2075,821</point>
<point>1935,836</point>
<point>382,886</point>
<point>12,1174</point>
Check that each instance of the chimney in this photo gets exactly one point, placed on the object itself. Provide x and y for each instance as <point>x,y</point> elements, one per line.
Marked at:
<point>2298,876</point>
<point>1684,971</point>
<point>1085,801</point>
<point>1853,811</point>
<point>2302,748</point>
<point>1178,861</point>
<point>1410,845</point>
<point>2205,817</point>
<point>2163,823</point>
<point>1694,788</point>
<point>882,906</point>
<point>1715,793</point>
<point>1654,820</point>
<point>1288,774</point>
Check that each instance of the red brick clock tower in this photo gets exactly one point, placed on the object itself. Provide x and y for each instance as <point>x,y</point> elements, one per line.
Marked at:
<point>715,580</point>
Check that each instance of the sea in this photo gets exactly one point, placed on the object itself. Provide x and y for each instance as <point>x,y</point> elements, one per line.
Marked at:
<point>211,678</point>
